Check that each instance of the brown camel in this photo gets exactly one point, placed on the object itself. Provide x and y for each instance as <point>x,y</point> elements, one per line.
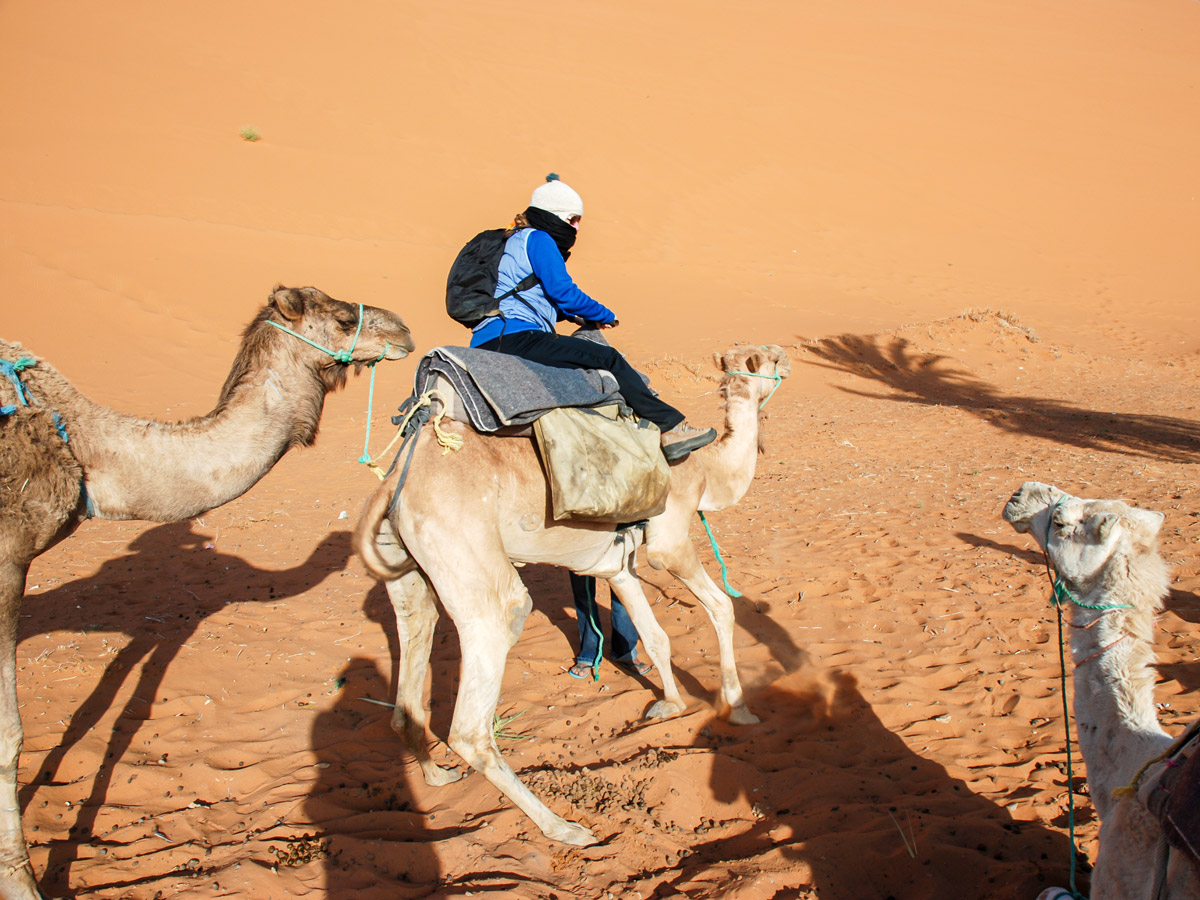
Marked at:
<point>464,518</point>
<point>1106,555</point>
<point>66,458</point>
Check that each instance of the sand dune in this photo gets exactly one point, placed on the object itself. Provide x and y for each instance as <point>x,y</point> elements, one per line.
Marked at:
<point>971,226</point>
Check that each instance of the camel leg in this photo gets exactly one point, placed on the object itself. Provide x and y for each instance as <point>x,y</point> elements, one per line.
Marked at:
<point>16,873</point>
<point>487,630</point>
<point>416,615</point>
<point>684,564</point>
<point>629,590</point>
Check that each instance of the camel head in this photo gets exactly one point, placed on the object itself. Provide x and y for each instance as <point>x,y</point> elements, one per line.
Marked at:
<point>1028,509</point>
<point>766,364</point>
<point>334,325</point>
<point>1084,538</point>
<point>281,333</point>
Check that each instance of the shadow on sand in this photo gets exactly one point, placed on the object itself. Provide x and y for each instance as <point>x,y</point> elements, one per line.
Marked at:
<point>158,595</point>
<point>830,784</point>
<point>934,380</point>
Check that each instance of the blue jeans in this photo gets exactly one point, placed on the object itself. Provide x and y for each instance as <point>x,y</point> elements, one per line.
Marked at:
<point>624,636</point>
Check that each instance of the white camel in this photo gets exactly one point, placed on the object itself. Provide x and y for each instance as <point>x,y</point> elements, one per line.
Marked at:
<point>1106,556</point>
<point>464,518</point>
<point>66,458</point>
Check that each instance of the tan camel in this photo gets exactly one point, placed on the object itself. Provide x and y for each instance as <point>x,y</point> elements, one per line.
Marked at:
<point>1105,553</point>
<point>115,466</point>
<point>464,518</point>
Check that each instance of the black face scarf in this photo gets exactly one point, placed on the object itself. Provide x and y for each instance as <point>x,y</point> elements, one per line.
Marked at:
<point>564,235</point>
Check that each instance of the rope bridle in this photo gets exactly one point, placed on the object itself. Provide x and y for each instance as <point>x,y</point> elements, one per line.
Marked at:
<point>345,357</point>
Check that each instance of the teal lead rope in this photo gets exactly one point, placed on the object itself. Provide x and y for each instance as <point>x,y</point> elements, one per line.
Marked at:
<point>1060,595</point>
<point>593,617</point>
<point>729,589</point>
<point>366,456</point>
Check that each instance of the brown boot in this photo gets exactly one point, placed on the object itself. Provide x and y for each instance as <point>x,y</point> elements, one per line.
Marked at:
<point>683,439</point>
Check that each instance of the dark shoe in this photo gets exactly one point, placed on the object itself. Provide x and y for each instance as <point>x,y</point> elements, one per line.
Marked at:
<point>683,439</point>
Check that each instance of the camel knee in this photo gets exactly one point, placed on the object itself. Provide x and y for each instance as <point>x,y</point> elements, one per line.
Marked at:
<point>474,749</point>
<point>517,616</point>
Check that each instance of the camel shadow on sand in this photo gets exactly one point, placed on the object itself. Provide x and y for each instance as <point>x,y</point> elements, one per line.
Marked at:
<point>831,783</point>
<point>934,380</point>
<point>823,774</point>
<point>158,595</point>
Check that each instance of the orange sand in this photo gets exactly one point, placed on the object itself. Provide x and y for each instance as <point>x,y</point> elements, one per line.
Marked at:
<point>843,179</point>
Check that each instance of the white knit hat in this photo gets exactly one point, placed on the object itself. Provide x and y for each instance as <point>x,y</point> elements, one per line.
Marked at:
<point>556,197</point>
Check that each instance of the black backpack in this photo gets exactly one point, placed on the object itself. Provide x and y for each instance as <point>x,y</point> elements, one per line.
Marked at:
<point>471,283</point>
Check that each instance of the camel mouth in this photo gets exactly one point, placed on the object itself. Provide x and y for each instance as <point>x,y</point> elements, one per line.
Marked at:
<point>395,351</point>
<point>1015,516</point>
<point>1027,501</point>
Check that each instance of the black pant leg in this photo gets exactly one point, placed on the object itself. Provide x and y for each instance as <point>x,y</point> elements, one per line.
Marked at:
<point>552,349</point>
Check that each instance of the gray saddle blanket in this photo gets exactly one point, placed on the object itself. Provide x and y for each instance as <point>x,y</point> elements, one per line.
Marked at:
<point>499,389</point>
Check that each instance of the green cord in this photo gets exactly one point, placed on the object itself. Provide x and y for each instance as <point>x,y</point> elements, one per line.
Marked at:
<point>729,589</point>
<point>366,457</point>
<point>592,619</point>
<point>1062,665</point>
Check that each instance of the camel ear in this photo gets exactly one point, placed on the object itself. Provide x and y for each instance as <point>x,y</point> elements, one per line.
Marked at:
<point>289,301</point>
<point>1146,521</point>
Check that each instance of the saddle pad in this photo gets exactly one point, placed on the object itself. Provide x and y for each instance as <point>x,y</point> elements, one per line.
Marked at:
<point>496,390</point>
<point>1175,799</point>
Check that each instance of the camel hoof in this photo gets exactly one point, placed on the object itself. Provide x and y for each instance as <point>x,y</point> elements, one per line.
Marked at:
<point>571,833</point>
<point>664,709</point>
<point>436,776</point>
<point>741,715</point>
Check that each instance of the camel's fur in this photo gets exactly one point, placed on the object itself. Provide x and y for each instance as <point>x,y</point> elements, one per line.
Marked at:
<point>1106,553</point>
<point>463,519</point>
<point>125,467</point>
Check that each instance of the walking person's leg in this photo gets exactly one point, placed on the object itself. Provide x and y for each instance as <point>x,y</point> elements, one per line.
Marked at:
<point>587,615</point>
<point>625,639</point>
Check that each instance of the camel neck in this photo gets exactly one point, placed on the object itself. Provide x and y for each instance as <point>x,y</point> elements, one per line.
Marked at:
<point>729,464</point>
<point>1114,695</point>
<point>144,469</point>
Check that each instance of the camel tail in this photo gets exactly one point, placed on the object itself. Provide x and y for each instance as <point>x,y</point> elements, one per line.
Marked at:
<point>376,542</point>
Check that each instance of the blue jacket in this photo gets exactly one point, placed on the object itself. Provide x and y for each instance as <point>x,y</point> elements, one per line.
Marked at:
<point>540,307</point>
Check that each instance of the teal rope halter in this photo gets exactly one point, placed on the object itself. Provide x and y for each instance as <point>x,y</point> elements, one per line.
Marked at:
<point>730,589</point>
<point>342,356</point>
<point>347,356</point>
<point>778,379</point>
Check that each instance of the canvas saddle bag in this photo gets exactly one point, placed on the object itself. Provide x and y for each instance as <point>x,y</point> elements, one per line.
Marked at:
<point>601,465</point>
